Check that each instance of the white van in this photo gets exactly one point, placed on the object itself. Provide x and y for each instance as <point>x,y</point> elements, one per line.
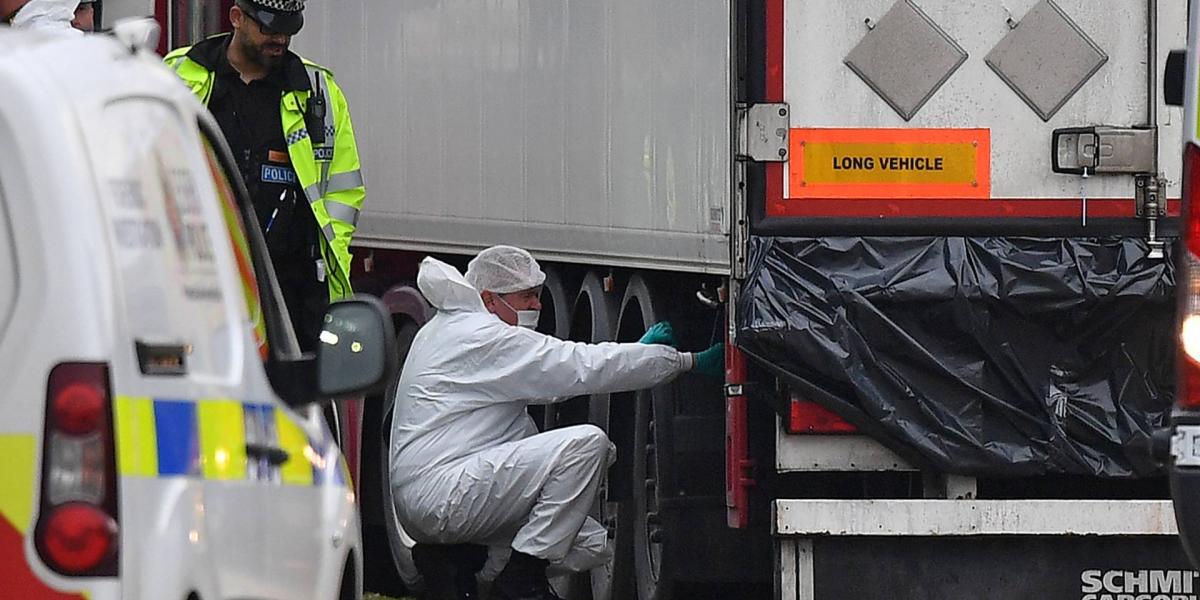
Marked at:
<point>1181,81</point>
<point>160,436</point>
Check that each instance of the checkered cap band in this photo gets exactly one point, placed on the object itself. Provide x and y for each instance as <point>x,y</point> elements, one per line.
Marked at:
<point>295,136</point>
<point>301,134</point>
<point>280,5</point>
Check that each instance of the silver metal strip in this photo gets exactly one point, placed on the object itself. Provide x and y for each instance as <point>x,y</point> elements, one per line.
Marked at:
<point>786,574</point>
<point>794,569</point>
<point>973,517</point>
<point>595,245</point>
<point>805,587</point>
<point>848,453</point>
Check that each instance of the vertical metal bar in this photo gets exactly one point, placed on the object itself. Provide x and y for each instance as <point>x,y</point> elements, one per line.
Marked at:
<point>196,20</point>
<point>739,230</point>
<point>738,464</point>
<point>1152,73</point>
<point>736,212</point>
<point>169,24</point>
<point>785,570</point>
<point>731,300</point>
<point>805,589</point>
<point>775,171</point>
<point>794,569</point>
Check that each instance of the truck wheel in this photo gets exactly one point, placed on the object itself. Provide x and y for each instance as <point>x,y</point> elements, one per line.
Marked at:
<point>401,554</point>
<point>593,319</point>
<point>555,320</point>
<point>651,537</point>
<point>652,451</point>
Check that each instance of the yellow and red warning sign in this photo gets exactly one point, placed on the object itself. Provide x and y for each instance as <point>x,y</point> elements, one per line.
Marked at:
<point>890,163</point>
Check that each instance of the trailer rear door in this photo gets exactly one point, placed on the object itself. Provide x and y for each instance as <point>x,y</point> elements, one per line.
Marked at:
<point>964,251</point>
<point>940,114</point>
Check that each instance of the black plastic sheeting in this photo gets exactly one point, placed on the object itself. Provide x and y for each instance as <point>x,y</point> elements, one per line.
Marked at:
<point>987,356</point>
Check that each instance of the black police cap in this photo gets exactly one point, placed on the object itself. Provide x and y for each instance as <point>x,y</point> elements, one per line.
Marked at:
<point>283,16</point>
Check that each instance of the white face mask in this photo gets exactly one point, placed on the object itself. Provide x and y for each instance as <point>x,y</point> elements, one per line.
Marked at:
<point>525,318</point>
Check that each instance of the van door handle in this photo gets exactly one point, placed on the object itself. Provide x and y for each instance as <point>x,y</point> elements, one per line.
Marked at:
<point>162,359</point>
<point>274,455</point>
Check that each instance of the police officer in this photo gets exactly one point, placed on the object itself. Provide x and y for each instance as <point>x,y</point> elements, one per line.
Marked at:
<point>288,125</point>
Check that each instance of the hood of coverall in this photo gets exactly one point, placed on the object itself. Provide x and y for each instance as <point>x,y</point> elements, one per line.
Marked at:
<point>446,289</point>
<point>47,15</point>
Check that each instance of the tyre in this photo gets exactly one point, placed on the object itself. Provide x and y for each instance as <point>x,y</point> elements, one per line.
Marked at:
<point>652,468</point>
<point>401,553</point>
<point>555,320</point>
<point>594,317</point>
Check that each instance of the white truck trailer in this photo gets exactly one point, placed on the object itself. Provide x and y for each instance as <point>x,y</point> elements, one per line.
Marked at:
<point>939,235</point>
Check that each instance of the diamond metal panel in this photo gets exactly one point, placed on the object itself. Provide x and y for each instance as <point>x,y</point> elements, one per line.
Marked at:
<point>905,58</point>
<point>1046,59</point>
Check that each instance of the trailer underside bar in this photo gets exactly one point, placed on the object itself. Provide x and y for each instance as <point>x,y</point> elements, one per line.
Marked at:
<point>820,453</point>
<point>973,517</point>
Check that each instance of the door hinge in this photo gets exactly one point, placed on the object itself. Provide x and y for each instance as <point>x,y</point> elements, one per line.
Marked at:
<point>762,132</point>
<point>1148,193</point>
<point>1151,203</point>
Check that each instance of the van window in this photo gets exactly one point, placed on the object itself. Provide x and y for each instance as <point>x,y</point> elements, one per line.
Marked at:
<point>167,265</point>
<point>241,250</point>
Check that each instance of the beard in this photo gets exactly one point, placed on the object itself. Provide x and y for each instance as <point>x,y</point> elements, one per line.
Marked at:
<point>267,54</point>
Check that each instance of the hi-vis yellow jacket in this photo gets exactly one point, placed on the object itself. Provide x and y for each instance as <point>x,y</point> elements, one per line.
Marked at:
<point>329,173</point>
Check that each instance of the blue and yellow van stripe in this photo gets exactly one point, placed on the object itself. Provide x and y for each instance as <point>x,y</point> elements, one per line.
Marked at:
<point>137,449</point>
<point>222,425</point>
<point>299,468</point>
<point>206,439</point>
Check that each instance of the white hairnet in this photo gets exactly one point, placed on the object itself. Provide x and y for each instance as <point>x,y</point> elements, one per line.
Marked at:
<point>503,270</point>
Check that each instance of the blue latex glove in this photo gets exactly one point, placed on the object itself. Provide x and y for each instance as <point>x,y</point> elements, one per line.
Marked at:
<point>711,362</point>
<point>660,333</point>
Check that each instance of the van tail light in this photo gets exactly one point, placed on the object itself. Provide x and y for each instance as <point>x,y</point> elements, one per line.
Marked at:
<point>806,416</point>
<point>1189,289</point>
<point>76,533</point>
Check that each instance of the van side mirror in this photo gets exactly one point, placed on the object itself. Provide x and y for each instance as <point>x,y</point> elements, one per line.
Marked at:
<point>1174,75</point>
<point>356,352</point>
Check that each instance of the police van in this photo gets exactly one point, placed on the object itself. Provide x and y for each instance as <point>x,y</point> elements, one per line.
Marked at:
<point>161,434</point>
<point>1181,80</point>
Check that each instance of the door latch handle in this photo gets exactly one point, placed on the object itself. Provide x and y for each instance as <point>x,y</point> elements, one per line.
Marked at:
<point>274,455</point>
<point>1101,150</point>
<point>162,359</point>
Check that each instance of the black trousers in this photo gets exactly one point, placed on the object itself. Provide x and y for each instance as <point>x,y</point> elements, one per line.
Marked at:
<point>306,299</point>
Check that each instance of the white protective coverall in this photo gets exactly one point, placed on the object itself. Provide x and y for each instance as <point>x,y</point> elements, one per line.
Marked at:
<point>467,463</point>
<point>47,15</point>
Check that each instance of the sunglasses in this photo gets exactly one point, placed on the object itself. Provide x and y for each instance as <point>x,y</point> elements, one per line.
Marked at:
<point>263,27</point>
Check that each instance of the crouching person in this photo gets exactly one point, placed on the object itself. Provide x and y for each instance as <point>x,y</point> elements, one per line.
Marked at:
<point>467,463</point>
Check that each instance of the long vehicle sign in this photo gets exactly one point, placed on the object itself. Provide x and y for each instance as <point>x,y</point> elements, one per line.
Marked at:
<point>890,163</point>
